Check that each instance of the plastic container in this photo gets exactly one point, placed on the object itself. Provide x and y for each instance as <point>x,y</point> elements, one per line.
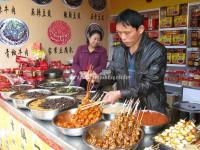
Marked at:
<point>39,71</point>
<point>28,72</point>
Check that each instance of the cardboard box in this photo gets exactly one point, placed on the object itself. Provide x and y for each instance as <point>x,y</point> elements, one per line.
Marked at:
<point>166,39</point>
<point>166,22</point>
<point>180,21</point>
<point>173,10</point>
<point>179,39</point>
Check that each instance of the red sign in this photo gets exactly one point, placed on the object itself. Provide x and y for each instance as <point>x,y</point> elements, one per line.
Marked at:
<point>59,32</point>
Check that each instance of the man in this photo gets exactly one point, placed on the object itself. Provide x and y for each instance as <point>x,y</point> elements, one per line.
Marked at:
<point>138,65</point>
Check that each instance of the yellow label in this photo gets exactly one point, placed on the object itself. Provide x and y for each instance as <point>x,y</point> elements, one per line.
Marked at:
<point>16,136</point>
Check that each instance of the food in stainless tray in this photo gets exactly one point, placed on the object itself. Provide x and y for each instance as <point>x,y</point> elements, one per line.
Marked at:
<point>112,108</point>
<point>53,84</point>
<point>30,95</point>
<point>178,136</point>
<point>148,118</point>
<point>48,104</point>
<point>150,125</point>
<point>21,87</point>
<point>81,118</point>
<point>123,132</point>
<point>68,90</point>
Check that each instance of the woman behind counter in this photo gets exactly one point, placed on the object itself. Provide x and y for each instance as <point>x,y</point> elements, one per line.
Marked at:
<point>90,54</point>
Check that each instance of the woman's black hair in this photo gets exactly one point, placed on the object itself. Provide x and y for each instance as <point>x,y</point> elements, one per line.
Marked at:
<point>130,17</point>
<point>90,33</point>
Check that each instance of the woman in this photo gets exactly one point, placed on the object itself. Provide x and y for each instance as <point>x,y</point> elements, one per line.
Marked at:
<point>90,54</point>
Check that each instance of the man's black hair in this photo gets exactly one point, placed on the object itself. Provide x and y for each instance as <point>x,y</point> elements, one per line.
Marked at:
<point>130,17</point>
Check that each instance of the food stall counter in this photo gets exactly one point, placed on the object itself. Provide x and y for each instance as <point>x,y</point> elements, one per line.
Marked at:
<point>19,130</point>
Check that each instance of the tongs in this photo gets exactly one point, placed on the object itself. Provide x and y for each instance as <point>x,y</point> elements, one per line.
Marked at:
<point>94,103</point>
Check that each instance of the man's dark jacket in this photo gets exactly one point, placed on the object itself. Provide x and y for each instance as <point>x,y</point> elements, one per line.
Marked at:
<point>150,66</point>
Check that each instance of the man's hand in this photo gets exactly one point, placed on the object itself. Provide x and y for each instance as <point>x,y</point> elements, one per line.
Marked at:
<point>112,97</point>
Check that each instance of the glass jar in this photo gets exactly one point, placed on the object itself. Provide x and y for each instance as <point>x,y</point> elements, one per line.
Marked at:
<point>18,72</point>
<point>169,56</point>
<point>197,63</point>
<point>28,72</point>
<point>185,81</point>
<point>190,62</point>
<point>40,79</point>
<point>190,82</point>
<point>8,70</point>
<point>197,75</point>
<point>194,42</point>
<point>180,56</point>
<point>31,80</point>
<point>39,71</point>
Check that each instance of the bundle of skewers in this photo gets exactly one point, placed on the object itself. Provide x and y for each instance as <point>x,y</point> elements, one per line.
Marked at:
<point>123,132</point>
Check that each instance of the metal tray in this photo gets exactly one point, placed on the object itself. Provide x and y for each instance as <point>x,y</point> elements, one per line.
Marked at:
<point>22,87</point>
<point>6,95</point>
<point>70,131</point>
<point>79,89</point>
<point>109,110</point>
<point>22,103</point>
<point>51,113</point>
<point>52,84</point>
<point>153,129</point>
<point>99,129</point>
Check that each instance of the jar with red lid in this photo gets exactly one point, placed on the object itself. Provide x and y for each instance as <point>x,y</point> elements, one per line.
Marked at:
<point>43,63</point>
<point>185,81</point>
<point>31,80</point>
<point>66,72</point>
<point>196,83</point>
<point>1,71</point>
<point>39,71</point>
<point>190,62</point>
<point>190,82</point>
<point>197,62</point>
<point>7,70</point>
<point>40,79</point>
<point>5,86</point>
<point>18,71</point>
<point>169,56</point>
<point>181,55</point>
<point>191,73</point>
<point>29,72</point>
<point>197,75</point>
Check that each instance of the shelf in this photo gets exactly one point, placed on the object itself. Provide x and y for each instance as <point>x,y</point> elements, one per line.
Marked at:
<point>174,47</point>
<point>152,30</point>
<point>149,10</point>
<point>193,48</point>
<point>176,65</point>
<point>172,84</point>
<point>194,28</point>
<point>176,28</point>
